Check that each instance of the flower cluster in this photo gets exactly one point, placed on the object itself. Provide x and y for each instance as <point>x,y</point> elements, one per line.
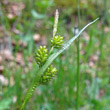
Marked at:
<point>57,41</point>
<point>41,57</point>
<point>48,75</point>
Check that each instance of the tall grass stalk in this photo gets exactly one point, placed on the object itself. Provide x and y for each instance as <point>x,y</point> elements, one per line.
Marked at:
<point>103,33</point>
<point>78,57</point>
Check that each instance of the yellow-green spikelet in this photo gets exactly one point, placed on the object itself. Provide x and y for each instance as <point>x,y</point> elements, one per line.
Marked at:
<point>41,55</point>
<point>57,41</point>
<point>48,75</point>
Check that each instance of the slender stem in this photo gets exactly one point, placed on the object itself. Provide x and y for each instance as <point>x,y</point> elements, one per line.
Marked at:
<point>51,50</point>
<point>78,58</point>
<point>103,25</point>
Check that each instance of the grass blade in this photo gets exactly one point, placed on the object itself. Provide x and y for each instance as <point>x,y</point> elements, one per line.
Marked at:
<point>78,59</point>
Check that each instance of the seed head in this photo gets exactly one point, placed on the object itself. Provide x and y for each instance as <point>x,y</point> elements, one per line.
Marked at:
<point>57,41</point>
<point>41,55</point>
<point>48,75</point>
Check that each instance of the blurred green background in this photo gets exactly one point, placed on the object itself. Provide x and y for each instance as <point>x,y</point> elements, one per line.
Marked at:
<point>26,24</point>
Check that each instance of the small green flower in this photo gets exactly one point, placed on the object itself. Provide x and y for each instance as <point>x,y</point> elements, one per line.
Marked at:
<point>41,55</point>
<point>48,75</point>
<point>57,41</point>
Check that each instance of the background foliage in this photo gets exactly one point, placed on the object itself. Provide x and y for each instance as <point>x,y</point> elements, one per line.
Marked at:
<point>26,24</point>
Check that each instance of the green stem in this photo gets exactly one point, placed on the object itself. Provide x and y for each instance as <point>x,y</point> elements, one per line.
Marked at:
<point>78,59</point>
<point>51,50</point>
<point>103,25</point>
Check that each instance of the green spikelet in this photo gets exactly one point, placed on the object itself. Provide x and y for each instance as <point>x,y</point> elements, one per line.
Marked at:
<point>41,55</point>
<point>57,41</point>
<point>48,75</point>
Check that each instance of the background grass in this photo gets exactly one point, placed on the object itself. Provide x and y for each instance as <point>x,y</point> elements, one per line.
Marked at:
<point>37,18</point>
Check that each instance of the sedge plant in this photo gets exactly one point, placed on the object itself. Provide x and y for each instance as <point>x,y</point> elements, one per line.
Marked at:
<point>44,59</point>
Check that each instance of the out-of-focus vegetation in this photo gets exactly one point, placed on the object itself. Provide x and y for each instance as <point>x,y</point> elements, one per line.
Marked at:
<point>26,24</point>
